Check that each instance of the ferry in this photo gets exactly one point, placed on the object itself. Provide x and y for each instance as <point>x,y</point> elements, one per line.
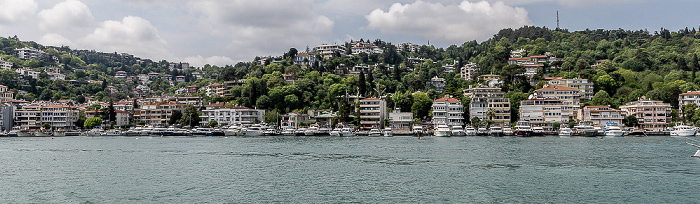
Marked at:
<point>374,133</point>
<point>458,131</point>
<point>683,131</point>
<point>443,131</point>
<point>613,131</point>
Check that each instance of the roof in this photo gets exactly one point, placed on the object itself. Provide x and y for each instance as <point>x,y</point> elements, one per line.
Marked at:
<point>367,99</point>
<point>690,93</point>
<point>557,88</point>
<point>451,100</point>
<point>538,56</point>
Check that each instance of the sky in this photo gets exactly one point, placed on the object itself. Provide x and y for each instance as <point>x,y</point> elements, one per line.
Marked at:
<point>221,32</point>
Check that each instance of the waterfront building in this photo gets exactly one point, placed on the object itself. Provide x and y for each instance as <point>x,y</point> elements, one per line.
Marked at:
<point>566,94</point>
<point>293,119</point>
<point>601,116</point>
<point>157,113</point>
<point>400,120</point>
<point>544,112</point>
<point>448,111</point>
<point>583,85</point>
<point>683,99</point>
<point>6,113</point>
<point>652,115</point>
<point>59,116</point>
<point>225,116</point>
<point>484,99</point>
<point>372,113</point>
<point>28,116</point>
<point>5,64</point>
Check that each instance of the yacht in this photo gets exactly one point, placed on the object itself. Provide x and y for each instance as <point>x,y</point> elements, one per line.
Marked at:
<point>347,132</point>
<point>458,131</point>
<point>496,131</point>
<point>507,131</point>
<point>374,133</point>
<point>537,131</point>
<point>42,133</point>
<point>585,130</point>
<point>613,131</point>
<point>470,131</point>
<point>418,130</point>
<point>300,132</point>
<point>482,132</point>
<point>387,132</point>
<point>288,131</point>
<point>565,132</point>
<point>59,133</point>
<point>323,131</point>
<point>311,131</point>
<point>95,132</point>
<point>200,131</point>
<point>523,129</point>
<point>114,132</point>
<point>443,131</point>
<point>255,130</point>
<point>232,131</point>
<point>335,133</point>
<point>683,131</point>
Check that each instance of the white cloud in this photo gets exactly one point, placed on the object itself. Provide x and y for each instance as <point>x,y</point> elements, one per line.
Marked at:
<point>200,61</point>
<point>263,27</point>
<point>14,11</point>
<point>55,40</point>
<point>450,23</point>
<point>132,34</point>
<point>69,18</point>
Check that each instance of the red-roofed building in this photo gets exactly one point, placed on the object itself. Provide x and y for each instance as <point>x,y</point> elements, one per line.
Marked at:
<point>688,98</point>
<point>448,111</point>
<point>304,59</point>
<point>601,116</point>
<point>120,75</point>
<point>372,113</point>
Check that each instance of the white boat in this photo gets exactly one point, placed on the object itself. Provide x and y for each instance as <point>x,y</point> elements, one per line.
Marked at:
<point>374,133</point>
<point>523,129</point>
<point>95,132</point>
<point>59,133</point>
<point>683,131</point>
<point>458,131</point>
<point>418,130</point>
<point>300,132</point>
<point>585,130</point>
<point>288,131</point>
<point>311,131</point>
<point>388,132</point>
<point>482,132</point>
<point>114,132</point>
<point>335,133</point>
<point>42,133</point>
<point>537,131</point>
<point>565,132</point>
<point>347,132</point>
<point>507,131</point>
<point>232,131</point>
<point>443,131</point>
<point>614,131</point>
<point>496,131</point>
<point>470,131</point>
<point>323,131</point>
<point>252,131</point>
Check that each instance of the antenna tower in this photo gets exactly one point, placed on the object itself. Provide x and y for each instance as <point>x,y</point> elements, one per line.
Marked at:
<point>557,20</point>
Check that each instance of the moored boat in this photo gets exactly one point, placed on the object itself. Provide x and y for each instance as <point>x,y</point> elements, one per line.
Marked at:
<point>347,132</point>
<point>458,131</point>
<point>42,133</point>
<point>418,130</point>
<point>443,131</point>
<point>683,131</point>
<point>374,133</point>
<point>507,131</point>
<point>585,131</point>
<point>565,132</point>
<point>252,131</point>
<point>523,129</point>
<point>537,131</point>
<point>470,131</point>
<point>613,131</point>
<point>335,133</point>
<point>496,131</point>
<point>387,132</point>
<point>95,132</point>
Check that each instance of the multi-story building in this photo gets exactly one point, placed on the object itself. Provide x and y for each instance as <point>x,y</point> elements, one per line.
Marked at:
<point>327,51</point>
<point>225,116</point>
<point>59,116</point>
<point>438,83</point>
<point>400,120</point>
<point>365,47</point>
<point>5,64</point>
<point>683,99</point>
<point>543,112</point>
<point>601,116</point>
<point>28,117</point>
<point>157,113</point>
<point>652,115</point>
<point>372,113</point>
<point>28,53</point>
<point>408,47</point>
<point>566,94</point>
<point>583,85</point>
<point>6,95</point>
<point>28,72</point>
<point>448,111</point>
<point>468,71</point>
<point>293,119</point>
<point>304,59</point>
<point>6,113</point>
<point>484,99</point>
<point>120,75</point>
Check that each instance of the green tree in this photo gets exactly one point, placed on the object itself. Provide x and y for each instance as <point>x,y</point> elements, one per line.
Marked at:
<point>572,123</point>
<point>175,117</point>
<point>213,123</point>
<point>601,98</point>
<point>689,111</point>
<point>190,117</point>
<point>46,126</point>
<point>421,105</point>
<point>92,122</point>
<point>631,121</point>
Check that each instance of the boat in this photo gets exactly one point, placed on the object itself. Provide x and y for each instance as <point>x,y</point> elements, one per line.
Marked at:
<point>73,133</point>
<point>613,131</point>
<point>585,131</point>
<point>523,129</point>
<point>271,132</point>
<point>252,131</point>
<point>323,131</point>
<point>387,132</point>
<point>347,132</point>
<point>374,133</point>
<point>300,132</point>
<point>335,133</point>
<point>470,131</point>
<point>565,132</point>
<point>443,131</point>
<point>42,133</point>
<point>288,131</point>
<point>482,132</point>
<point>12,133</point>
<point>95,132</point>
<point>537,131</point>
<point>496,131</point>
<point>507,131</point>
<point>232,131</point>
<point>418,130</point>
<point>312,131</point>
<point>114,132</point>
<point>59,133</point>
<point>215,132</point>
<point>683,131</point>
<point>458,131</point>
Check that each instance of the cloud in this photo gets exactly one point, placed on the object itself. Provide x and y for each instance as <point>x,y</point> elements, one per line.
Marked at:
<point>200,61</point>
<point>69,18</point>
<point>450,23</point>
<point>14,11</point>
<point>263,27</point>
<point>55,39</point>
<point>132,34</point>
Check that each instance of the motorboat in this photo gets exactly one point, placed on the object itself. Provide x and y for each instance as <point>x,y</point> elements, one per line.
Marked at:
<point>95,132</point>
<point>288,131</point>
<point>470,131</point>
<point>12,133</point>
<point>443,131</point>
<point>482,132</point>
<point>496,131</point>
<point>507,131</point>
<point>347,132</point>
<point>614,131</point>
<point>585,131</point>
<point>335,133</point>
<point>312,131</point>
<point>271,132</point>
<point>59,133</point>
<point>523,129</point>
<point>300,132</point>
<point>683,131</point>
<point>458,131</point>
<point>387,132</point>
<point>114,132</point>
<point>252,131</point>
<point>565,132</point>
<point>323,131</point>
<point>418,130</point>
<point>537,131</point>
<point>374,133</point>
<point>232,131</point>
<point>42,133</point>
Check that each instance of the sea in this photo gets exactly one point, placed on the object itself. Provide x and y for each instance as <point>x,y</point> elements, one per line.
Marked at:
<point>348,170</point>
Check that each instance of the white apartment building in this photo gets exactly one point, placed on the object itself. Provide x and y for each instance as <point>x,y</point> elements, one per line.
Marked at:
<point>683,99</point>
<point>6,95</point>
<point>543,112</point>
<point>365,47</point>
<point>5,64</point>
<point>601,116</point>
<point>652,115</point>
<point>448,111</point>
<point>28,72</point>
<point>400,120</point>
<point>28,117</point>
<point>231,115</point>
<point>120,75</point>
<point>438,83</point>
<point>408,47</point>
<point>485,98</point>
<point>157,113</point>
<point>468,71</point>
<point>372,113</point>
<point>56,76</point>
<point>566,94</point>
<point>583,85</point>
<point>28,53</point>
<point>327,51</point>
<point>304,59</point>
<point>59,116</point>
